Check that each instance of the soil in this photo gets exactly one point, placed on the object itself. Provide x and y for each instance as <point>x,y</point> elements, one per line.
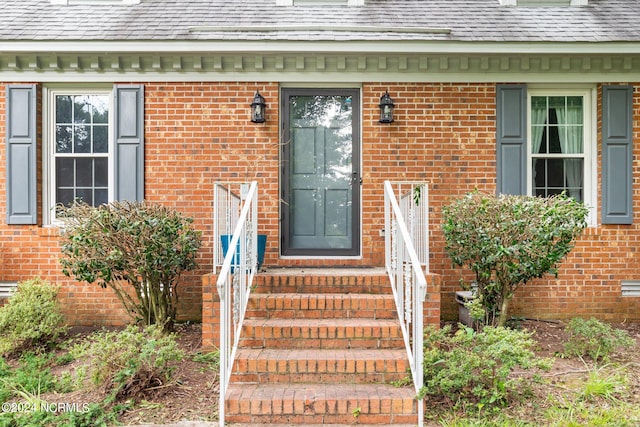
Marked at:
<point>195,396</point>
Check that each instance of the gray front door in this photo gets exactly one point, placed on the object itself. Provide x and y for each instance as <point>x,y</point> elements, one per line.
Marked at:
<point>320,172</point>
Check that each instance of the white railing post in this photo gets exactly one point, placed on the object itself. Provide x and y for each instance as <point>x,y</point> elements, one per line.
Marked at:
<point>237,208</point>
<point>406,231</point>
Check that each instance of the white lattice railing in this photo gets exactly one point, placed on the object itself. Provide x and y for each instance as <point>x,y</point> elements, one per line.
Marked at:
<point>235,222</point>
<point>406,254</point>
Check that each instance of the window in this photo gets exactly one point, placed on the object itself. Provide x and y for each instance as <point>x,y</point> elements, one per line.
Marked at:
<point>561,146</point>
<point>79,148</point>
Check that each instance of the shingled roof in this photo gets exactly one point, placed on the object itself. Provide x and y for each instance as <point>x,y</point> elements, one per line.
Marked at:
<point>377,20</point>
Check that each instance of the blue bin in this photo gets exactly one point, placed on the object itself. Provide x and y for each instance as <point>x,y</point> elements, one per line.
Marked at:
<point>262,245</point>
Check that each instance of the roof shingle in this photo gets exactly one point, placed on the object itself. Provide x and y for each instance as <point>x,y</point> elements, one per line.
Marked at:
<point>467,20</point>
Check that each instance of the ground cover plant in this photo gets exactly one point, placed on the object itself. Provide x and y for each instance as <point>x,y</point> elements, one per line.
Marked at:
<point>138,249</point>
<point>470,367</point>
<point>31,318</point>
<point>574,392</point>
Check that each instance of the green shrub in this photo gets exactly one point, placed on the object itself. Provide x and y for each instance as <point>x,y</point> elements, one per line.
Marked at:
<point>509,240</point>
<point>133,361</point>
<point>475,367</point>
<point>595,339</point>
<point>31,318</point>
<point>138,249</point>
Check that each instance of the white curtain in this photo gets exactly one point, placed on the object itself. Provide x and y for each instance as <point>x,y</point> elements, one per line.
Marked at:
<point>571,143</point>
<point>538,113</point>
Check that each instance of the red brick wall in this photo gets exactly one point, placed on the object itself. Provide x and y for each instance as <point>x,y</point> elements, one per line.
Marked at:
<point>444,133</point>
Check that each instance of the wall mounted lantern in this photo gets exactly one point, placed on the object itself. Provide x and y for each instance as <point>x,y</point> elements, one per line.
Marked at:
<point>257,108</point>
<point>386,108</point>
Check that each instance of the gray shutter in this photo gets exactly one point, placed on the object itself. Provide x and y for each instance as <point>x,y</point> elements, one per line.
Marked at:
<point>617,154</point>
<point>129,142</point>
<point>511,138</point>
<point>21,154</point>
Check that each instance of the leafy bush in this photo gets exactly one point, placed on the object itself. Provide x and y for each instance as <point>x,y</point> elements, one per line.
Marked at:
<point>31,318</point>
<point>137,249</point>
<point>475,366</point>
<point>595,339</point>
<point>131,362</point>
<point>509,240</point>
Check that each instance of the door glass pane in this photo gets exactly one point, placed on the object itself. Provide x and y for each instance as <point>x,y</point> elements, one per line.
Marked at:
<point>320,172</point>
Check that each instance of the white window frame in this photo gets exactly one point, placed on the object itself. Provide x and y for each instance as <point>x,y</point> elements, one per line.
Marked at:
<point>48,149</point>
<point>589,96</point>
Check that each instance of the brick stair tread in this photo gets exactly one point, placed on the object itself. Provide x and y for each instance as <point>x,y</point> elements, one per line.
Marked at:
<point>309,399</point>
<point>317,425</point>
<point>321,354</point>
<point>322,323</point>
<point>320,306</point>
<point>321,333</point>
<point>367,362</point>
<point>270,366</point>
<point>323,280</point>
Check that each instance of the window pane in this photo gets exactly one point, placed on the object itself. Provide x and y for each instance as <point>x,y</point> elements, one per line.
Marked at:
<point>63,109</point>
<point>86,195</point>
<point>574,171</point>
<point>100,139</point>
<point>571,139</point>
<point>64,197</point>
<point>557,103</point>
<point>84,172</point>
<point>63,139</point>
<point>100,108</point>
<point>538,110</point>
<point>101,172</point>
<point>101,197</point>
<point>553,176</point>
<point>64,172</point>
<point>81,140</point>
<point>81,109</point>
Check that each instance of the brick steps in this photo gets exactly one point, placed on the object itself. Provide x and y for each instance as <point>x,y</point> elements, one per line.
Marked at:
<point>306,404</point>
<point>321,306</point>
<point>271,366</point>
<point>320,347</point>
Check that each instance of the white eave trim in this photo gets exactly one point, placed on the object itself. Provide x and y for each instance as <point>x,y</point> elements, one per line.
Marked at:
<point>344,47</point>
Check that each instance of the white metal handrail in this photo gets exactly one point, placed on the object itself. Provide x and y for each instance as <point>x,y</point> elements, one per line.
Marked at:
<point>236,275</point>
<point>406,226</point>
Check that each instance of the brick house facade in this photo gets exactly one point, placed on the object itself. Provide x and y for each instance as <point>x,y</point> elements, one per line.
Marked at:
<point>197,131</point>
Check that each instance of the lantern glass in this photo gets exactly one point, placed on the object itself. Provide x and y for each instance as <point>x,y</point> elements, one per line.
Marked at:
<point>258,108</point>
<point>386,108</point>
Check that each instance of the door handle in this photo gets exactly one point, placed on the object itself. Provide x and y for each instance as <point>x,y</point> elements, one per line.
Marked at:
<point>355,179</point>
